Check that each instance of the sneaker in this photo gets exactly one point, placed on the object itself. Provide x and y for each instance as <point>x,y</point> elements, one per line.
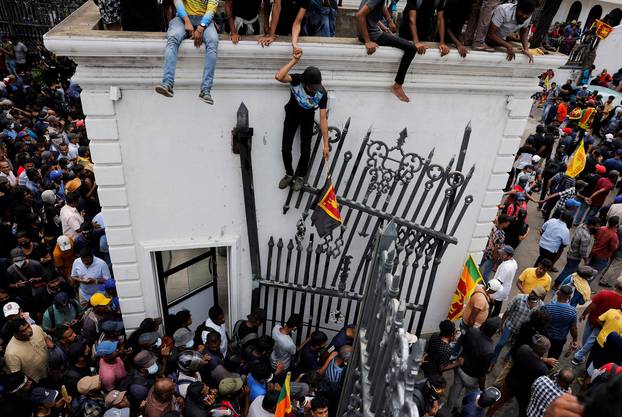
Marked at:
<point>577,362</point>
<point>206,97</point>
<point>298,183</point>
<point>285,181</point>
<point>165,90</point>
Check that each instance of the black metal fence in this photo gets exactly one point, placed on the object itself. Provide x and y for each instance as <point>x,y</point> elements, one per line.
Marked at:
<point>28,20</point>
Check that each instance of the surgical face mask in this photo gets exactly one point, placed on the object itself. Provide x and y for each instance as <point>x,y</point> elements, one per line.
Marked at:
<point>19,264</point>
<point>158,343</point>
<point>190,344</point>
<point>153,369</point>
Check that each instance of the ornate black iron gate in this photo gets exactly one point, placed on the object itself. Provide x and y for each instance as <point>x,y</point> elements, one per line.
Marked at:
<point>324,279</point>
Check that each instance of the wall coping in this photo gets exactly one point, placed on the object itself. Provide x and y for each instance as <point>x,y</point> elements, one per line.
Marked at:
<point>134,60</point>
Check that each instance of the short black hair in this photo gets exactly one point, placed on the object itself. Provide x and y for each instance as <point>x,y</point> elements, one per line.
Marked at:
<point>319,403</point>
<point>490,326</point>
<point>14,325</point>
<point>270,400</point>
<point>215,312</point>
<point>213,337</point>
<point>593,221</point>
<point>86,252</point>
<point>613,221</point>
<point>447,328</point>
<point>504,218</point>
<point>318,338</point>
<point>72,198</point>
<point>546,263</point>
<point>294,321</point>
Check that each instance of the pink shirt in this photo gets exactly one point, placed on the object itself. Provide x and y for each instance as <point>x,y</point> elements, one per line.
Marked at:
<point>110,374</point>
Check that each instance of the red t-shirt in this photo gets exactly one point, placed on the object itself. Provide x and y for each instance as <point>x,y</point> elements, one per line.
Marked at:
<point>603,301</point>
<point>605,243</point>
<point>602,184</point>
<point>562,111</point>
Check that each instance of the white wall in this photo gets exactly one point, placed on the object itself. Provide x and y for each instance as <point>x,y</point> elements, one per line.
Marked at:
<point>167,175</point>
<point>587,5</point>
<point>609,52</point>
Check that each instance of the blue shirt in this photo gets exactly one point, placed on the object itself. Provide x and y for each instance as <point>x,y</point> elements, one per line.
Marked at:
<point>613,163</point>
<point>555,233</point>
<point>470,407</point>
<point>256,388</point>
<point>563,317</point>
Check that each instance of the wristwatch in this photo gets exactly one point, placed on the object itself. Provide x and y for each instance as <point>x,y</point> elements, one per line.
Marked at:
<point>203,25</point>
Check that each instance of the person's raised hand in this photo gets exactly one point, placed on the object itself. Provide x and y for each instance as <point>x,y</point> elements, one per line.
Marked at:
<point>421,48</point>
<point>371,47</point>
<point>296,49</point>
<point>297,54</point>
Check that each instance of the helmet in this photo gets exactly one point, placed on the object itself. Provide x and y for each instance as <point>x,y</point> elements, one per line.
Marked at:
<point>190,361</point>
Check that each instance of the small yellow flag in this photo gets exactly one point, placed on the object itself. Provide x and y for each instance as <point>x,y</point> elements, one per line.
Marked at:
<point>576,163</point>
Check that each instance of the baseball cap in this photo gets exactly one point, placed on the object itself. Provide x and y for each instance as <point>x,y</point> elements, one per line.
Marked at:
<point>40,395</point>
<point>536,158</point>
<point>520,197</point>
<point>312,78</point>
<point>488,397</point>
<point>182,336</point>
<point>111,326</point>
<point>617,200</point>
<point>540,344</point>
<point>585,271</point>
<point>88,384</point>
<point>600,169</point>
<point>572,203</point>
<point>584,86</point>
<point>494,285</point>
<point>609,136</point>
<point>144,359</point>
<point>507,249</point>
<point>56,174</point>
<point>17,254</point>
<point>48,196</point>
<point>10,309</point>
<point>117,412</point>
<point>148,338</point>
<point>229,386</point>
<point>64,243</point>
<point>106,348</point>
<point>537,293</point>
<point>61,298</point>
<point>99,299</point>
<point>113,398</point>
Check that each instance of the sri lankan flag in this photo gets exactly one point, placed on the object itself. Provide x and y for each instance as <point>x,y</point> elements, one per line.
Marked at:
<point>284,405</point>
<point>469,278</point>
<point>326,215</point>
<point>576,163</point>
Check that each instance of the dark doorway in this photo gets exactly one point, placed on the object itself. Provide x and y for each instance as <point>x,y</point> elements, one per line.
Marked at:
<point>574,12</point>
<point>595,13</point>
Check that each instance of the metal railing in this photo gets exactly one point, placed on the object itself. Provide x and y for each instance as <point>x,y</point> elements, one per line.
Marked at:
<point>28,20</point>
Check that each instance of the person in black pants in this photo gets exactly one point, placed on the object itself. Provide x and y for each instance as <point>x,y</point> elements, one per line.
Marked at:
<point>548,12</point>
<point>306,95</point>
<point>368,16</point>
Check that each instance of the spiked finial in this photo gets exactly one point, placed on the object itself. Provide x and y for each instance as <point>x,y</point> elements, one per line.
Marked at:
<point>242,116</point>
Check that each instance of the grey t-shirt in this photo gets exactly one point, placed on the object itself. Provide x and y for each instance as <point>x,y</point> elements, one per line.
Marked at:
<point>284,348</point>
<point>376,13</point>
<point>256,410</point>
<point>504,17</point>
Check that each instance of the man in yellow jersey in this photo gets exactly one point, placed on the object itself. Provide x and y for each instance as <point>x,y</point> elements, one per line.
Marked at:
<point>195,19</point>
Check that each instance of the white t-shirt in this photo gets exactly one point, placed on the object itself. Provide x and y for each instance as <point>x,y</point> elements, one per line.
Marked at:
<point>223,335</point>
<point>284,348</point>
<point>256,410</point>
<point>505,274</point>
<point>504,17</point>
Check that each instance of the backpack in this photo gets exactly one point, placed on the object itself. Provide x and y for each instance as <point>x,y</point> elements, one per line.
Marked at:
<point>236,343</point>
<point>223,409</point>
<point>52,314</point>
<point>198,333</point>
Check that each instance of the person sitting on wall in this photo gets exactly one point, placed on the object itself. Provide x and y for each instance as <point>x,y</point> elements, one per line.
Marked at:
<point>368,16</point>
<point>417,24</point>
<point>287,16</point>
<point>243,18</point>
<point>307,94</point>
<point>508,18</point>
<point>195,18</point>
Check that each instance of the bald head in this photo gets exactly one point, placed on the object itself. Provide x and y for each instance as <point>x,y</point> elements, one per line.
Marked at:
<point>565,377</point>
<point>164,389</point>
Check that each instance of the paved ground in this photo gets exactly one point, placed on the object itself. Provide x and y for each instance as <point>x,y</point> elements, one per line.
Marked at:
<point>526,255</point>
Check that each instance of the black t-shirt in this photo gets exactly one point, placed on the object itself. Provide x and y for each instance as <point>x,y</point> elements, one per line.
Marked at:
<point>309,360</point>
<point>526,368</point>
<point>456,13</point>
<point>248,9</point>
<point>32,269</point>
<point>438,354</point>
<point>141,15</point>
<point>478,351</point>
<point>425,13</point>
<point>304,101</point>
<point>513,231</point>
<point>289,11</point>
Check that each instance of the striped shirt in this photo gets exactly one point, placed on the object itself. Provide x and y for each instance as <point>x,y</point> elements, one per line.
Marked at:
<point>207,8</point>
<point>543,392</point>
<point>563,317</point>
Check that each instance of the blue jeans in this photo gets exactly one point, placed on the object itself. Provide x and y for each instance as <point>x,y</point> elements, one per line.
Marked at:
<point>599,264</point>
<point>572,265</point>
<point>581,213</point>
<point>506,334</point>
<point>175,35</point>
<point>545,110</point>
<point>11,66</point>
<point>317,22</point>
<point>589,337</point>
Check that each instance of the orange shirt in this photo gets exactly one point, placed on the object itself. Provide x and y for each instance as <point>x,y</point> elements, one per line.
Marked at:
<point>63,261</point>
<point>562,111</point>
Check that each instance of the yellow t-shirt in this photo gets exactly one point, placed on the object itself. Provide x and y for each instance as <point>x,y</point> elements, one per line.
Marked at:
<point>529,280</point>
<point>612,322</point>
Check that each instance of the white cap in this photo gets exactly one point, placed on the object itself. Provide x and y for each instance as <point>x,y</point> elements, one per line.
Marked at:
<point>10,309</point>
<point>584,86</point>
<point>64,244</point>
<point>609,136</point>
<point>494,285</point>
<point>535,159</point>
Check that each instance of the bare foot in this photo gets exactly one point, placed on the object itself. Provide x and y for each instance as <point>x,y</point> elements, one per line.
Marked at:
<point>398,92</point>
